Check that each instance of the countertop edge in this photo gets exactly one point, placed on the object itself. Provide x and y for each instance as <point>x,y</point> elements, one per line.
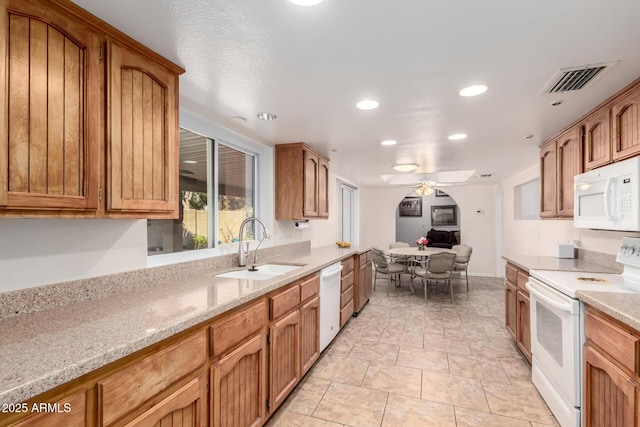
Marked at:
<point>620,306</point>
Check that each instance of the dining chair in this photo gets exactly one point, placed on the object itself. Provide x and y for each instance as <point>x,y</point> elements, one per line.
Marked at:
<point>463,255</point>
<point>383,266</point>
<point>399,259</point>
<point>438,267</point>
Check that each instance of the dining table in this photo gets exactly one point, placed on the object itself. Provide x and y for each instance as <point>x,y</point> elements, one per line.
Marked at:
<point>413,257</point>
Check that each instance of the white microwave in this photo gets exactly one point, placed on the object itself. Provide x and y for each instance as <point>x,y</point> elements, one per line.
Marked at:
<point>607,198</point>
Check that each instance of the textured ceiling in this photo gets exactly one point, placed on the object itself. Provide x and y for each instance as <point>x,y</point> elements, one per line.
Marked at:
<point>311,65</point>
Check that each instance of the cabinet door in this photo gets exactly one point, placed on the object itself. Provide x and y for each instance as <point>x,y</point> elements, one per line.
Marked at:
<point>510,303</point>
<point>523,325</point>
<point>626,125</point>
<point>597,140</point>
<point>284,359</point>
<point>51,107</point>
<point>323,188</point>
<point>184,408</point>
<point>311,174</point>
<point>238,396</point>
<point>360,291</point>
<point>548,180</point>
<point>368,284</point>
<point>569,160</point>
<point>609,395</point>
<point>142,134</point>
<point>309,334</point>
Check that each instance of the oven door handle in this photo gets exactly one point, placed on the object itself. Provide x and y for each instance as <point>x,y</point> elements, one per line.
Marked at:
<point>551,298</point>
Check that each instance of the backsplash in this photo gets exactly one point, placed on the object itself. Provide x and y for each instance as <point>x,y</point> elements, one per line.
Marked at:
<point>600,258</point>
<point>24,301</point>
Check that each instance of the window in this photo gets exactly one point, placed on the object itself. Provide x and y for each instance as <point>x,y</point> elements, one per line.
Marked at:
<point>526,198</point>
<point>347,210</point>
<point>210,214</point>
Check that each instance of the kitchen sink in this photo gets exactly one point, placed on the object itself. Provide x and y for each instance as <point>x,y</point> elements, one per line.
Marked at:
<point>265,272</point>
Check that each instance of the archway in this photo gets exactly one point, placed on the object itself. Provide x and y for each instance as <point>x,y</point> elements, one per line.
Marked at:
<point>417,214</point>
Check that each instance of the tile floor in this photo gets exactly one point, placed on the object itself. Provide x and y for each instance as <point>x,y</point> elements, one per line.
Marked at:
<point>404,362</point>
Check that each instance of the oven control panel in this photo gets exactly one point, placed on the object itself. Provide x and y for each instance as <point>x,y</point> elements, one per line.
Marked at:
<point>629,251</point>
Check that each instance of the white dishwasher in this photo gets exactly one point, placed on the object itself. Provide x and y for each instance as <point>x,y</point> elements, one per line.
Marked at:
<point>329,303</point>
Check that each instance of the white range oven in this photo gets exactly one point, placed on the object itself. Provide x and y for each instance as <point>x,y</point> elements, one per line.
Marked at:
<point>557,335</point>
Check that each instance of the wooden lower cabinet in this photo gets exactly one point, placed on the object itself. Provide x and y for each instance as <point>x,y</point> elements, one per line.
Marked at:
<point>609,395</point>
<point>239,385</point>
<point>510,305</point>
<point>184,408</point>
<point>309,334</point>
<point>611,372</point>
<point>516,301</point>
<point>363,282</point>
<point>523,326</point>
<point>284,356</point>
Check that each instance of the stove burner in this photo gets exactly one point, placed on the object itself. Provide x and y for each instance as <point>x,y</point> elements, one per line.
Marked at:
<point>594,279</point>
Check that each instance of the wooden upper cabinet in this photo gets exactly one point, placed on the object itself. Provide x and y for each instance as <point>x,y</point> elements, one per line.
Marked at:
<point>323,188</point>
<point>311,175</point>
<point>302,182</point>
<point>569,161</point>
<point>51,108</point>
<point>597,141</point>
<point>625,114</point>
<point>548,172</point>
<point>143,134</point>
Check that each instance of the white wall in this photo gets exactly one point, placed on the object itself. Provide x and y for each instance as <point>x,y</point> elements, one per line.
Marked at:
<point>37,252</point>
<point>378,214</point>
<point>539,237</point>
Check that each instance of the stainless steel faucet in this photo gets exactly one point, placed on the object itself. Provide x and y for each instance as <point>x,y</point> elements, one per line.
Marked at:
<point>242,250</point>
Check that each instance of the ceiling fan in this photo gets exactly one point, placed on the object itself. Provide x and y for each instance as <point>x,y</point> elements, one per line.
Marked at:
<point>426,188</point>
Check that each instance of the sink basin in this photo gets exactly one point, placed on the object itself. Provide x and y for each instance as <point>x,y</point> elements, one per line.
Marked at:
<point>265,272</point>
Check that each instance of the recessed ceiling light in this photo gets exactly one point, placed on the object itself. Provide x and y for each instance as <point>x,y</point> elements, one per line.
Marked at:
<point>389,142</point>
<point>473,90</point>
<point>457,136</point>
<point>190,162</point>
<point>368,104</point>
<point>405,167</point>
<point>305,2</point>
<point>266,116</point>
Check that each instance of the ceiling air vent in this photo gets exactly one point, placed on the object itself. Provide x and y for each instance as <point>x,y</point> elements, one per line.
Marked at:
<point>576,78</point>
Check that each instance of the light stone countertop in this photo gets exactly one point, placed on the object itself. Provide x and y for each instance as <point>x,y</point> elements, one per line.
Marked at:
<point>622,306</point>
<point>44,349</point>
<point>528,262</point>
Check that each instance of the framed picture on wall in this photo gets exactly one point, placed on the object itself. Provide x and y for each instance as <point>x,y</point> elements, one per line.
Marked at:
<point>440,193</point>
<point>444,215</point>
<point>410,206</point>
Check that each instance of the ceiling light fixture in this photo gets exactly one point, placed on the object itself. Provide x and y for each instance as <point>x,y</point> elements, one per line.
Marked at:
<point>389,142</point>
<point>474,90</point>
<point>190,162</point>
<point>424,189</point>
<point>368,104</point>
<point>405,167</point>
<point>266,116</point>
<point>305,2</point>
<point>457,136</point>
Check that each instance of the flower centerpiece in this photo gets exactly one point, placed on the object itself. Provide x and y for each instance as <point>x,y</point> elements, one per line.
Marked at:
<point>422,243</point>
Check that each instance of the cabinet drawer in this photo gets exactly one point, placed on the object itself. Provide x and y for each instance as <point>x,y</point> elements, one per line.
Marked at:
<point>347,266</point>
<point>523,278</point>
<point>309,287</point>
<point>127,389</point>
<point>284,301</point>
<point>511,273</point>
<point>612,338</point>
<point>346,282</point>
<point>228,332</point>
<point>346,296</point>
<point>362,258</point>
<point>346,312</point>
